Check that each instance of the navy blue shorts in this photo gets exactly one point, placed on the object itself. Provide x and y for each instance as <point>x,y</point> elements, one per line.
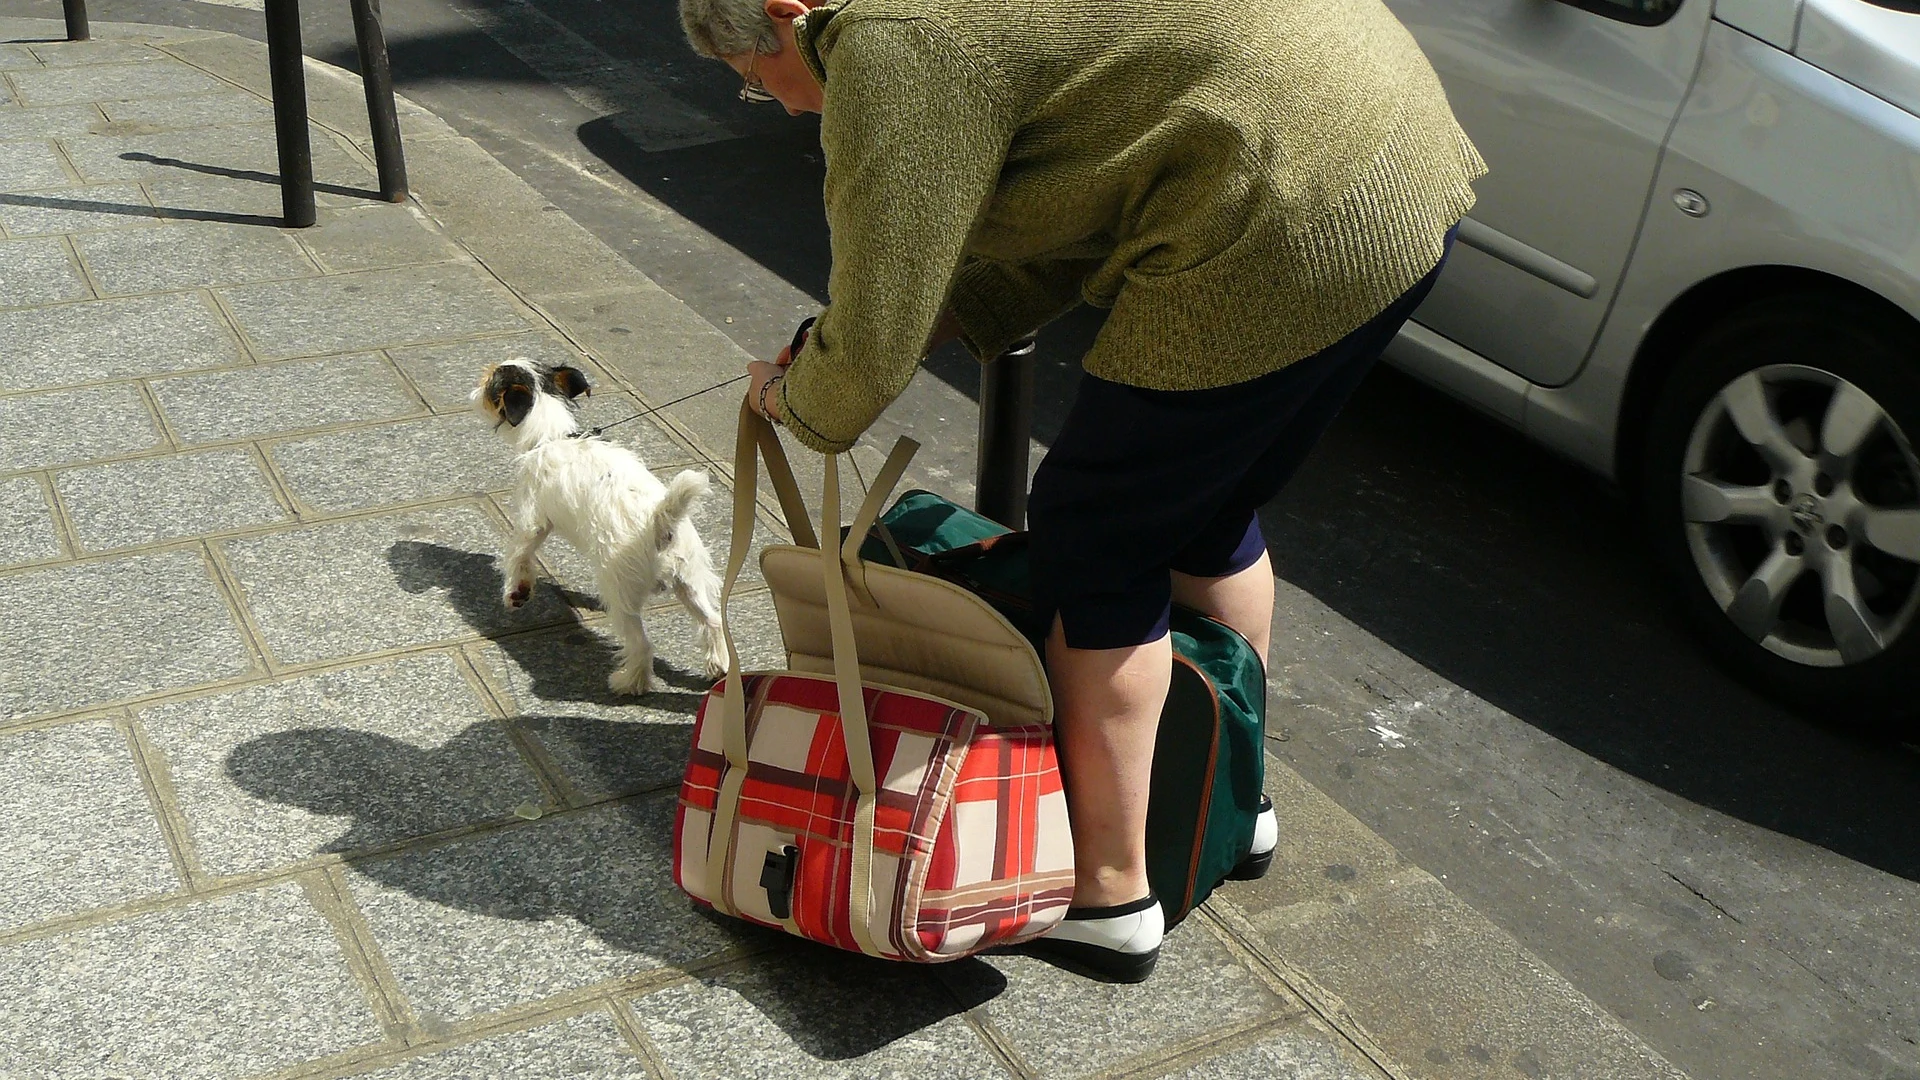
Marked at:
<point>1141,482</point>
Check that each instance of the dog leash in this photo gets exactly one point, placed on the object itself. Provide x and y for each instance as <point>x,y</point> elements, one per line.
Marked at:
<point>799,339</point>
<point>588,433</point>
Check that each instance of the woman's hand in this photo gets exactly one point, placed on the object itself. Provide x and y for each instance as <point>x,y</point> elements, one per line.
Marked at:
<point>763,386</point>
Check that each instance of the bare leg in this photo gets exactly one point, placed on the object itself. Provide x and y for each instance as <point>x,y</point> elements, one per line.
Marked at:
<point>1243,601</point>
<point>1107,709</point>
<point>519,570</point>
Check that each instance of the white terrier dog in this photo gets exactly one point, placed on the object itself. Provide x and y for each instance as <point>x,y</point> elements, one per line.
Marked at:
<point>601,499</point>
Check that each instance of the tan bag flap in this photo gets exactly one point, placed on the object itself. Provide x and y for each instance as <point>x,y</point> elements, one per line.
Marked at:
<point>920,633</point>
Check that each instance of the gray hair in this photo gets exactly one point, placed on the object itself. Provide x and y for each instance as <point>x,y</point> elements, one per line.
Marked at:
<point>722,28</point>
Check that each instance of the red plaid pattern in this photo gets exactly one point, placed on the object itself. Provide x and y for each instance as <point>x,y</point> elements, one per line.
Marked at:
<point>971,845</point>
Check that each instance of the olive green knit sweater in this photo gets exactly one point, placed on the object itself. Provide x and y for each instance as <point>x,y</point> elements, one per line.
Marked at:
<point>1242,183</point>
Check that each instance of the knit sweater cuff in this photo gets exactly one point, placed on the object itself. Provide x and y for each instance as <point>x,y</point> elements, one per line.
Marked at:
<point>810,437</point>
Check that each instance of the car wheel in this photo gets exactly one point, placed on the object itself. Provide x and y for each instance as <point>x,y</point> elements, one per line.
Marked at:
<point>1782,492</point>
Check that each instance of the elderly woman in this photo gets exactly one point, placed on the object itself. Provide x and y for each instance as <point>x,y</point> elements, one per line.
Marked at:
<point>1259,194</point>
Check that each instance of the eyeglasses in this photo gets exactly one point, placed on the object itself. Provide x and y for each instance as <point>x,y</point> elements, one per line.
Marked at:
<point>753,90</point>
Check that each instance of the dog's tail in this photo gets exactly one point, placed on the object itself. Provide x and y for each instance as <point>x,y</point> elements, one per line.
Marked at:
<point>682,491</point>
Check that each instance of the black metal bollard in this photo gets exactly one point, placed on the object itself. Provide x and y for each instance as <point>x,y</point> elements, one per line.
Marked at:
<point>76,20</point>
<point>377,77</point>
<point>290,112</point>
<point>1006,425</point>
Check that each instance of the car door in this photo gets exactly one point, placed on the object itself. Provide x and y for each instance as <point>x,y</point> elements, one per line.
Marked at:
<point>1570,105</point>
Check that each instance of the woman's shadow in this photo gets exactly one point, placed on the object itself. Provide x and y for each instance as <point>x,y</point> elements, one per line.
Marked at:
<point>608,868</point>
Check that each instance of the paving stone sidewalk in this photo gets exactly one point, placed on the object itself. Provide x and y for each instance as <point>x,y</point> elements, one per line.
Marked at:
<point>285,792</point>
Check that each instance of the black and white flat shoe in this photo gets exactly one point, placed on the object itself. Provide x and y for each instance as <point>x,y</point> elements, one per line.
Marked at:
<point>1117,944</point>
<point>1266,837</point>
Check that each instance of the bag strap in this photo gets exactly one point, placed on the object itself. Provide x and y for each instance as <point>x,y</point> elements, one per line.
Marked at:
<point>733,702</point>
<point>756,438</point>
<point>853,720</point>
<point>780,471</point>
<point>883,484</point>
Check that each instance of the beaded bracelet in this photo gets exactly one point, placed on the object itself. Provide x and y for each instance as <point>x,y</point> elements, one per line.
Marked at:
<point>764,387</point>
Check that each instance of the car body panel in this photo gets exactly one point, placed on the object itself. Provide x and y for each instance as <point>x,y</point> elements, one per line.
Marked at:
<point>1800,169</point>
<point>1775,22</point>
<point>1570,108</point>
<point>1876,49</point>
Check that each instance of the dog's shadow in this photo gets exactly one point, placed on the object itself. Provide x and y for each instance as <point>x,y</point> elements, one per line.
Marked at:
<point>608,870</point>
<point>556,663</point>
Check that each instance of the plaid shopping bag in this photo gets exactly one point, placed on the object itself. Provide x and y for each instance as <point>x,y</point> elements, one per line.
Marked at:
<point>847,808</point>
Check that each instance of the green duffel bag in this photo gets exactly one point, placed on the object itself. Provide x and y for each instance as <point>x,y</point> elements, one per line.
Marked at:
<point>1208,759</point>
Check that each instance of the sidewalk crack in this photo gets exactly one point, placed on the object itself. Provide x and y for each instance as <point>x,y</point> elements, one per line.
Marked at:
<point>1704,898</point>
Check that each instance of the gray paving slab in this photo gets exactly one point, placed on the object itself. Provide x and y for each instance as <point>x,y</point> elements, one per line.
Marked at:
<point>1325,853</point>
<point>147,500</point>
<point>200,110</point>
<point>337,762</point>
<point>1299,1051</point>
<point>112,339</point>
<point>372,310</point>
<point>1067,1026</point>
<point>807,1011</point>
<point>528,912</point>
<point>656,341</point>
<point>78,830</point>
<point>66,426</point>
<point>611,744</point>
<point>377,236</point>
<point>327,592</point>
<point>39,271</point>
<point>408,461</point>
<point>60,54</point>
<point>52,122</point>
<point>191,257</point>
<point>111,82</point>
<point>589,1045</point>
<point>257,977</point>
<point>515,229</point>
<point>79,636</point>
<point>103,206</point>
<point>29,166</point>
<point>17,58</point>
<point>447,374</point>
<point>1440,987</point>
<point>27,531</point>
<point>283,398</point>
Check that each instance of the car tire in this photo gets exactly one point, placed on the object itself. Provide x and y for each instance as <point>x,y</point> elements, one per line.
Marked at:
<point>1781,492</point>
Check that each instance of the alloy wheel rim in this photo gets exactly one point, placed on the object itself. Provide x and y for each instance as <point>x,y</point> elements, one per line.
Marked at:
<point>1801,502</point>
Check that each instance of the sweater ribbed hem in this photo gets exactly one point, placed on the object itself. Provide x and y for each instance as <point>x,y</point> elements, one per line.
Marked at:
<point>1270,300</point>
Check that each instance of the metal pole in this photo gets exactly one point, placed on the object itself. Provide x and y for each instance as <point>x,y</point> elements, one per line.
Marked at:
<point>377,77</point>
<point>1006,425</point>
<point>284,62</point>
<point>76,19</point>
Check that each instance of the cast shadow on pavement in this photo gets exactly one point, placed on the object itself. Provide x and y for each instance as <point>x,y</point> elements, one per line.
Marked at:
<point>254,175</point>
<point>821,998</point>
<point>375,782</point>
<point>166,213</point>
<point>1520,578</point>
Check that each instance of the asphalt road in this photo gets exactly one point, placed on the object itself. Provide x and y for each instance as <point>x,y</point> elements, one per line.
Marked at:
<point>1473,654</point>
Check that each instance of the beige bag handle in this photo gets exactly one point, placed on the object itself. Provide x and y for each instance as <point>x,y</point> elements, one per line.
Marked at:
<point>756,434</point>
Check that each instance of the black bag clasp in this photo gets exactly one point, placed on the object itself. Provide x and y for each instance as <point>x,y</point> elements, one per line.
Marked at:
<point>776,877</point>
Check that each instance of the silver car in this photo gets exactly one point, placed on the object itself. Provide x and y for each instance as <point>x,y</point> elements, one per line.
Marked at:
<point>1695,268</point>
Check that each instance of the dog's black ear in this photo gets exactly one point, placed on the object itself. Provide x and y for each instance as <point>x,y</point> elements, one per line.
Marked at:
<point>571,381</point>
<point>515,403</point>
